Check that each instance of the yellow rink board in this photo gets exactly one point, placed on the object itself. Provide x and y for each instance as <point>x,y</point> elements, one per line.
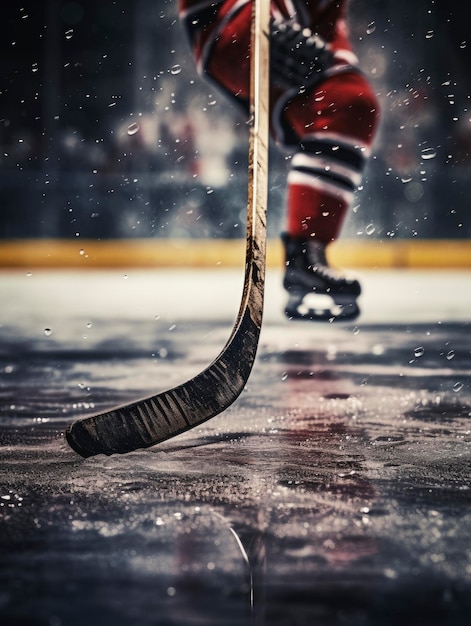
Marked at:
<point>210,253</point>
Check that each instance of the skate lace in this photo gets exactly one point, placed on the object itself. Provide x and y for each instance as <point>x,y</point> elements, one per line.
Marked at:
<point>318,264</point>
<point>327,272</point>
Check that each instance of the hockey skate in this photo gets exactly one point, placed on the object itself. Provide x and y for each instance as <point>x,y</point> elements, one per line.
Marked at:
<point>316,291</point>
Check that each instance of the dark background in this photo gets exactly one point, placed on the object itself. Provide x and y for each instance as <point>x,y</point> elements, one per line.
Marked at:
<point>106,131</point>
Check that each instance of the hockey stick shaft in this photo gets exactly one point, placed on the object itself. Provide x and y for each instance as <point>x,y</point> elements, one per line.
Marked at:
<point>155,419</point>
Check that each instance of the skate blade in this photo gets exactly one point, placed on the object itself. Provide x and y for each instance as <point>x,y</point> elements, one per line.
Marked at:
<point>321,308</point>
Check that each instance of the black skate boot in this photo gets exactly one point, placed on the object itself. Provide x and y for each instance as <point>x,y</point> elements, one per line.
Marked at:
<point>316,292</point>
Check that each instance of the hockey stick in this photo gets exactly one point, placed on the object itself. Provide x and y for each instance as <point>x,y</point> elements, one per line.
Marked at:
<point>152,420</point>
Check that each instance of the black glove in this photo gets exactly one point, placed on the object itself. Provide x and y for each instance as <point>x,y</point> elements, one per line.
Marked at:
<point>298,57</point>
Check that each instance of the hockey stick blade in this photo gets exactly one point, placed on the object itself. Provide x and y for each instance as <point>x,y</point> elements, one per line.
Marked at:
<point>155,419</point>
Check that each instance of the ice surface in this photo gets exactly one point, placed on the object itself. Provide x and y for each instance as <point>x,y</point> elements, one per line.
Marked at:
<point>336,490</point>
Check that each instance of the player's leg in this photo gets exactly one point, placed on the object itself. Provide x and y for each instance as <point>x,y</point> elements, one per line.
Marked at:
<point>332,127</point>
<point>335,124</point>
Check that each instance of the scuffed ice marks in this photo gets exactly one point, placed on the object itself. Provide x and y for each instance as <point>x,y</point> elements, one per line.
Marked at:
<point>127,552</point>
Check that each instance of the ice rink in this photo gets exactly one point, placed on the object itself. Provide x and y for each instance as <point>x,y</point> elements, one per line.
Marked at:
<point>334,492</point>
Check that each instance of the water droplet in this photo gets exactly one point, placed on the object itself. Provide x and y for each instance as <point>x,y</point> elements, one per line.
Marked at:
<point>48,332</point>
<point>457,387</point>
<point>370,29</point>
<point>450,355</point>
<point>429,153</point>
<point>175,69</point>
<point>69,33</point>
<point>370,229</point>
<point>418,352</point>
<point>284,376</point>
<point>429,34</point>
<point>133,128</point>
